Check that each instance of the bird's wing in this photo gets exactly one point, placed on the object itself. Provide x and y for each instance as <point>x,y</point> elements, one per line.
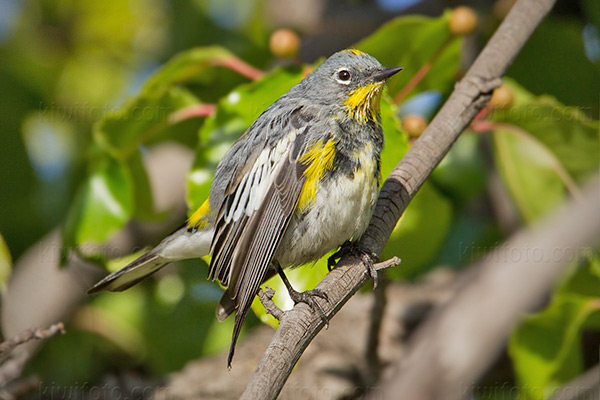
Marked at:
<point>253,218</point>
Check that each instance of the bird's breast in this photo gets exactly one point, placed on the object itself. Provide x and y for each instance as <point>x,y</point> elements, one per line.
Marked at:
<point>341,211</point>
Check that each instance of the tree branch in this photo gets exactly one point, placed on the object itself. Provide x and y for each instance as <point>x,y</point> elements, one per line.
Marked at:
<point>300,325</point>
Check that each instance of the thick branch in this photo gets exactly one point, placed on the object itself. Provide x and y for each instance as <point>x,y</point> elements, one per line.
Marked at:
<point>300,325</point>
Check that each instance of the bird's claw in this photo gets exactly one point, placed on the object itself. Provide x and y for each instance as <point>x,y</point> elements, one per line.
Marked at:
<point>367,257</point>
<point>308,297</point>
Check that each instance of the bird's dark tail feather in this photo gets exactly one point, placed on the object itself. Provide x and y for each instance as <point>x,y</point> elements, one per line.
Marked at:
<point>131,274</point>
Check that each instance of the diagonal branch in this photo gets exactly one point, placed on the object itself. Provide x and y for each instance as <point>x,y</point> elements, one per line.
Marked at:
<point>300,325</point>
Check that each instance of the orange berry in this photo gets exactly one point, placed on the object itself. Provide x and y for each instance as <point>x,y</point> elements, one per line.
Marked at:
<point>463,21</point>
<point>284,43</point>
<point>414,125</point>
<point>502,98</point>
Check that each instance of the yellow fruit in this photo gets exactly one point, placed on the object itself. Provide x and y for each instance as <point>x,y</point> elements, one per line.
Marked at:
<point>463,21</point>
<point>502,98</point>
<point>284,43</point>
<point>414,125</point>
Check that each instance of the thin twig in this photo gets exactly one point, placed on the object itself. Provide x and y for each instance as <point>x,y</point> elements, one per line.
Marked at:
<point>422,72</point>
<point>13,363</point>
<point>392,262</point>
<point>241,67</point>
<point>266,298</point>
<point>35,333</point>
<point>193,111</point>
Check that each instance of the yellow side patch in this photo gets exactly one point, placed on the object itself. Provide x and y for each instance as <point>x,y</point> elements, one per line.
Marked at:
<point>363,102</point>
<point>319,159</point>
<point>199,218</point>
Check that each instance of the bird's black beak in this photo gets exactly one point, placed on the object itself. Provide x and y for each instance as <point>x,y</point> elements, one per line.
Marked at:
<point>385,73</point>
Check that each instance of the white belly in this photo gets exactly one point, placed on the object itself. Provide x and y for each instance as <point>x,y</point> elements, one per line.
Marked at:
<point>342,211</point>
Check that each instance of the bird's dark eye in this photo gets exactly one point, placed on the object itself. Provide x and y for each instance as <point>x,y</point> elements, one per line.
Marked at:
<point>344,75</point>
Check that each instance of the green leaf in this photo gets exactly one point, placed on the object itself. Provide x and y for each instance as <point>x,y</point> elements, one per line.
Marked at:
<point>235,113</point>
<point>546,348</point>
<point>584,280</point>
<point>142,192</point>
<point>103,204</point>
<point>195,65</point>
<point>420,232</point>
<point>5,265</point>
<point>461,172</point>
<point>573,138</point>
<point>536,68</point>
<point>528,168</point>
<point>396,140</point>
<point>139,120</point>
<point>412,41</point>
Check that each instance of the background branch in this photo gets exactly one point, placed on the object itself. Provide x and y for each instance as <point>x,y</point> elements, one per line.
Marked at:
<point>464,337</point>
<point>300,325</point>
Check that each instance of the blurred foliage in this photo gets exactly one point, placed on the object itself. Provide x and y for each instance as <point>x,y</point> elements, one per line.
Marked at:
<point>5,264</point>
<point>567,77</point>
<point>544,365</point>
<point>416,40</point>
<point>545,147</point>
<point>88,87</point>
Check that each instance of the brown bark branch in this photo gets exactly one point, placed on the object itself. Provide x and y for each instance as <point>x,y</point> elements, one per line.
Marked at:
<point>300,325</point>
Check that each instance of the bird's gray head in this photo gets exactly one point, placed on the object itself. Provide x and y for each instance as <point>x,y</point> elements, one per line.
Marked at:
<point>350,79</point>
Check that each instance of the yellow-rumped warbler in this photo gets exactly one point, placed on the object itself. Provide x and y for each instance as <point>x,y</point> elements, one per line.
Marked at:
<point>300,182</point>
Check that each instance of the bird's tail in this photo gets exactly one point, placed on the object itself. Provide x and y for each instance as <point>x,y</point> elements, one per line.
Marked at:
<point>180,245</point>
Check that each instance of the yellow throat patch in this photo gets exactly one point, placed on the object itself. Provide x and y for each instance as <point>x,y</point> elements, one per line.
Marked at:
<point>319,159</point>
<point>363,103</point>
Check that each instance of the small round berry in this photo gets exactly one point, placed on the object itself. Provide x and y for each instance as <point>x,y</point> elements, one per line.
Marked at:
<point>284,43</point>
<point>502,98</point>
<point>463,21</point>
<point>414,125</point>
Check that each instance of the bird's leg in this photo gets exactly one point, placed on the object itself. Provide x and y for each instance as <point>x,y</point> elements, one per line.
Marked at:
<point>344,249</point>
<point>366,256</point>
<point>307,297</point>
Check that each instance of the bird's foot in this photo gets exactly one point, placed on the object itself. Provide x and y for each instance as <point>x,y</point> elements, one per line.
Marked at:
<point>353,249</point>
<point>309,297</point>
<point>345,249</point>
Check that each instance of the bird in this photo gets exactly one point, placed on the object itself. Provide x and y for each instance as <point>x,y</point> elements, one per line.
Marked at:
<point>301,181</point>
